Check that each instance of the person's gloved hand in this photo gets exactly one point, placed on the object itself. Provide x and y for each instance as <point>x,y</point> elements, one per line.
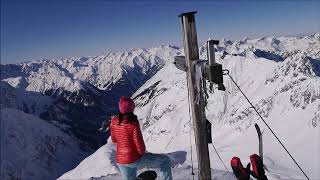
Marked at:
<point>257,167</point>
<point>239,171</point>
<point>105,126</point>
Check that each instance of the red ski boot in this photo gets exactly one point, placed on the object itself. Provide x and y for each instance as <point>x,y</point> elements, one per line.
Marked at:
<point>257,167</point>
<point>239,171</point>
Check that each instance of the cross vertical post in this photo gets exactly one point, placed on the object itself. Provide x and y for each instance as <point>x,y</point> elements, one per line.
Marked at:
<point>191,51</point>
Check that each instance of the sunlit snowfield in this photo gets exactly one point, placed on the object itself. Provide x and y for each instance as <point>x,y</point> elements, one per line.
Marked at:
<point>281,76</point>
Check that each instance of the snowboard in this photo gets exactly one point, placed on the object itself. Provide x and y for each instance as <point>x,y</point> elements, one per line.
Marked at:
<point>147,175</point>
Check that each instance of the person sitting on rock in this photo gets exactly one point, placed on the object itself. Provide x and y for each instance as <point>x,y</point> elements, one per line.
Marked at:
<point>131,151</point>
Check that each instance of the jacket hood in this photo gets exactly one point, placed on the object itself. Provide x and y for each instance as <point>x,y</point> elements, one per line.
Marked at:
<point>126,105</point>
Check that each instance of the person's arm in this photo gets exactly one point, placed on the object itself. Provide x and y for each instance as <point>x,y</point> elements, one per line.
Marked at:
<point>111,134</point>
<point>138,139</point>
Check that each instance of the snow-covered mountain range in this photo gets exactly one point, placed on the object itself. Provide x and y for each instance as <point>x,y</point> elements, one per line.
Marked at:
<point>83,91</point>
<point>76,95</point>
<point>281,75</point>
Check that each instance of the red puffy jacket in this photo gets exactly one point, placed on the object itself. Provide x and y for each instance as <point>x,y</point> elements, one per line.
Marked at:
<point>129,140</point>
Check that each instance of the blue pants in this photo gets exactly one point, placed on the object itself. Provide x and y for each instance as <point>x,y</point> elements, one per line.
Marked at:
<point>162,161</point>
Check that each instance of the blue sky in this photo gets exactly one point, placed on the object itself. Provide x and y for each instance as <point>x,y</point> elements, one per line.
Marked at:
<point>36,29</point>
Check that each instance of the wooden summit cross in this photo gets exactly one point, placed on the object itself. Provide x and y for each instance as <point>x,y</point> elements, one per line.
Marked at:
<point>213,72</point>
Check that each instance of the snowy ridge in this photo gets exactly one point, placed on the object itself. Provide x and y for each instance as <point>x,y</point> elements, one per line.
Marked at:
<point>79,93</point>
<point>73,95</point>
<point>279,75</point>
<point>282,46</point>
<point>34,149</point>
<point>101,71</point>
<point>110,72</point>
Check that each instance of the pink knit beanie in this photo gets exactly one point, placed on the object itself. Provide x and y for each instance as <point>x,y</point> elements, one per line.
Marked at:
<point>126,105</point>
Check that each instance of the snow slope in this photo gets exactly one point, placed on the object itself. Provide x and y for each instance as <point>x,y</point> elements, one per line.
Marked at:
<point>34,149</point>
<point>279,75</point>
<point>102,165</point>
